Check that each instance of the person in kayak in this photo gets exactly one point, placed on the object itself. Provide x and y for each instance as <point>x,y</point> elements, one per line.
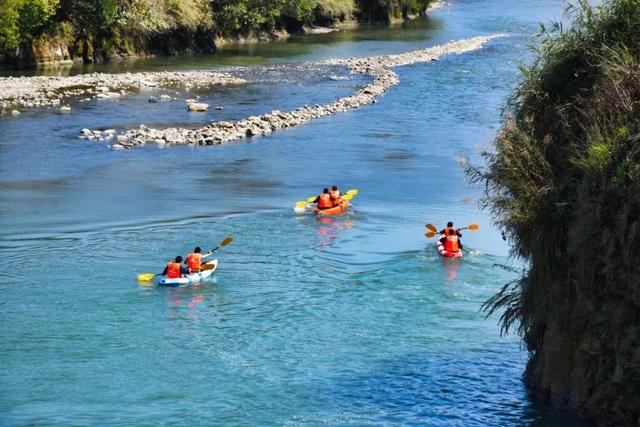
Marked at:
<point>175,269</point>
<point>451,242</point>
<point>194,259</point>
<point>450,226</point>
<point>323,201</point>
<point>335,195</point>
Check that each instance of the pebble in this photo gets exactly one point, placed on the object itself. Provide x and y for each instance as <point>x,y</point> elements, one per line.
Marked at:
<point>43,91</point>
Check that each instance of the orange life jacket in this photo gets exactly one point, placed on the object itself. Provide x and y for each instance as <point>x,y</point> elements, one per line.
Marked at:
<point>446,230</point>
<point>194,261</point>
<point>173,270</point>
<point>451,244</point>
<point>324,201</point>
<point>335,197</point>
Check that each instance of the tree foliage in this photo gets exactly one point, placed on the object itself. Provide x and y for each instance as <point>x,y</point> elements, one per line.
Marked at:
<point>22,20</point>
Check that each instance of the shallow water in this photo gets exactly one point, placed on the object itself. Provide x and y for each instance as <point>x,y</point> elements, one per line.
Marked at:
<point>345,321</point>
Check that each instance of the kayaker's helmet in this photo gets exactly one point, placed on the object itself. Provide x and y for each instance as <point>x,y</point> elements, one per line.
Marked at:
<point>450,224</point>
<point>197,250</point>
<point>452,232</point>
<point>325,191</point>
<point>334,188</point>
<point>178,258</point>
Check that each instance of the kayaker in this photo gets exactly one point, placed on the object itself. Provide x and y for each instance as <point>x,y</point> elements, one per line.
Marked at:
<point>335,195</point>
<point>450,226</point>
<point>175,269</point>
<point>323,201</point>
<point>451,241</point>
<point>194,259</point>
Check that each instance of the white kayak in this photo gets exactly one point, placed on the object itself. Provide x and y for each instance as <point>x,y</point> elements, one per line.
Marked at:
<point>190,279</point>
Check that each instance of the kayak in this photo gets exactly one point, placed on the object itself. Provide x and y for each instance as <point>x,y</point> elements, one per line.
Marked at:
<point>336,210</point>
<point>190,279</point>
<point>444,253</point>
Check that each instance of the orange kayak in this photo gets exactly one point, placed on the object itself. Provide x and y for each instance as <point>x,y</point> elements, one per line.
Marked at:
<point>336,210</point>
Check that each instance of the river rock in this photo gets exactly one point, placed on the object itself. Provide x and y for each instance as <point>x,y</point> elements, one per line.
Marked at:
<point>65,109</point>
<point>197,106</point>
<point>153,99</point>
<point>15,112</point>
<point>165,98</point>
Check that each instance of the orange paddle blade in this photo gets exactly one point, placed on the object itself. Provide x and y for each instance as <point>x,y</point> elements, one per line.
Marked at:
<point>429,234</point>
<point>431,227</point>
<point>473,227</point>
<point>226,241</point>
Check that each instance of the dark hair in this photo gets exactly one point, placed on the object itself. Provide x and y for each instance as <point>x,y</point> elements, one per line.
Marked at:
<point>334,188</point>
<point>197,250</point>
<point>178,258</point>
<point>326,190</point>
<point>449,224</point>
<point>452,232</point>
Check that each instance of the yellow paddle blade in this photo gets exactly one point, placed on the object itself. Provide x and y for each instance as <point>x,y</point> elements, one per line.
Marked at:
<point>145,277</point>
<point>347,197</point>
<point>353,192</point>
<point>226,241</point>
<point>311,199</point>
<point>431,227</point>
<point>429,234</point>
<point>473,227</point>
<point>301,204</point>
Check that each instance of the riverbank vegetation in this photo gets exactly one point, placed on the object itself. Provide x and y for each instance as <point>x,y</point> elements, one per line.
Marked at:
<point>99,30</point>
<point>564,183</point>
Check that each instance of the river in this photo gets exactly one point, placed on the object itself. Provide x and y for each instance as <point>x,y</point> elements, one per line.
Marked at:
<point>346,321</point>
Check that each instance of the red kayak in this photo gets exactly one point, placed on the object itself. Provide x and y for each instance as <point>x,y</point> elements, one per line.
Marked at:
<point>445,253</point>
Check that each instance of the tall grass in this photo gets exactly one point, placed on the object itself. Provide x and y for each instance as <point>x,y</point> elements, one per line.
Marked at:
<point>564,185</point>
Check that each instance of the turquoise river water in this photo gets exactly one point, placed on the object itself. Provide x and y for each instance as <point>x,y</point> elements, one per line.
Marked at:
<point>346,321</point>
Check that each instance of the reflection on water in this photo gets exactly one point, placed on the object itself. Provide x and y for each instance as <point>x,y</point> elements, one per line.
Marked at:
<point>332,227</point>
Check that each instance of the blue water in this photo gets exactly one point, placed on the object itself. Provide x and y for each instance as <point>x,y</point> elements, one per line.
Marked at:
<point>344,321</point>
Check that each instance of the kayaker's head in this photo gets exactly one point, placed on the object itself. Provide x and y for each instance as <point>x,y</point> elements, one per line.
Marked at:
<point>450,224</point>
<point>334,188</point>
<point>178,259</point>
<point>452,232</point>
<point>325,191</point>
<point>197,250</point>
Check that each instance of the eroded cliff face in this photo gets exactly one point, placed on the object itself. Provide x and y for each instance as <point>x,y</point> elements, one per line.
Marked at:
<point>564,183</point>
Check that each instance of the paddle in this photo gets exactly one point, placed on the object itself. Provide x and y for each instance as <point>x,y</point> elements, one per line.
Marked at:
<point>225,242</point>
<point>472,227</point>
<point>434,230</point>
<point>146,277</point>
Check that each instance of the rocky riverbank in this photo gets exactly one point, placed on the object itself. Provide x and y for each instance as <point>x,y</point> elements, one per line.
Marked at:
<point>29,92</point>
<point>379,67</point>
